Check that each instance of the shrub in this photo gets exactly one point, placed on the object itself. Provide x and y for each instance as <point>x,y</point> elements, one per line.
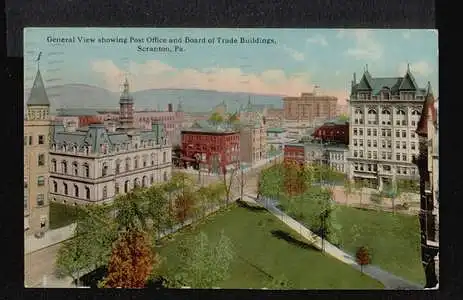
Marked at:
<point>363,257</point>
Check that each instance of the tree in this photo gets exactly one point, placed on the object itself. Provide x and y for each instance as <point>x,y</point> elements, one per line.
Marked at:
<point>230,174</point>
<point>348,188</point>
<point>157,208</point>
<point>131,210</point>
<point>72,260</point>
<point>343,117</point>
<point>203,265</point>
<point>216,118</point>
<point>184,205</point>
<point>363,257</point>
<point>131,261</point>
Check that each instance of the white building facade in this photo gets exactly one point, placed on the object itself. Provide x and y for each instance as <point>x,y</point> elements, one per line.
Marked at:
<point>382,140</point>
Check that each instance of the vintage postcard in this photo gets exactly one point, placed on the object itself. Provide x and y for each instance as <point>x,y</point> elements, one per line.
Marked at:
<point>231,158</point>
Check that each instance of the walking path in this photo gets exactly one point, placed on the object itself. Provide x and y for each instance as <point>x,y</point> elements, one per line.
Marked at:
<point>50,238</point>
<point>390,281</point>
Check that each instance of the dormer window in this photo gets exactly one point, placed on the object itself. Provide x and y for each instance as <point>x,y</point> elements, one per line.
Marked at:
<point>385,94</point>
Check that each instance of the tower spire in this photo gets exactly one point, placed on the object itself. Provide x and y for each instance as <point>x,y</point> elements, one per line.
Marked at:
<point>408,67</point>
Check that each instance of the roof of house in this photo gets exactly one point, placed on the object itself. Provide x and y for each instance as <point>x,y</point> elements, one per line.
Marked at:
<point>394,84</point>
<point>209,126</point>
<point>76,112</point>
<point>38,95</point>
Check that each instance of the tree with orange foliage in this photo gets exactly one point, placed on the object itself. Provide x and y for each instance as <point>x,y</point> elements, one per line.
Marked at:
<point>131,262</point>
<point>363,257</point>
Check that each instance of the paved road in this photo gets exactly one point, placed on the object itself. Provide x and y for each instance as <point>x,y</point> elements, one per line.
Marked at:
<point>389,280</point>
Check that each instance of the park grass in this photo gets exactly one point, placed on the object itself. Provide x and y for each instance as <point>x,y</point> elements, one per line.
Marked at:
<point>62,215</point>
<point>265,248</point>
<point>393,239</point>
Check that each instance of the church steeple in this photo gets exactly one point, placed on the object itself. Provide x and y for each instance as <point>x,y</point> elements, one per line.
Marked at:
<point>126,106</point>
<point>38,104</point>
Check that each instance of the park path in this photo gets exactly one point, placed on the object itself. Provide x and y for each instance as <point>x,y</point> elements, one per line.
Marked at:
<point>389,280</point>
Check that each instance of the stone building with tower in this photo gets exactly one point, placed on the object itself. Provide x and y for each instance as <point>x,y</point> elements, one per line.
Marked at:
<point>96,163</point>
<point>36,159</point>
<point>427,161</point>
<point>384,113</point>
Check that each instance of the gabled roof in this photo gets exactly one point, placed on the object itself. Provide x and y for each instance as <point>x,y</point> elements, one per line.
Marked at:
<point>366,82</point>
<point>408,82</point>
<point>38,95</point>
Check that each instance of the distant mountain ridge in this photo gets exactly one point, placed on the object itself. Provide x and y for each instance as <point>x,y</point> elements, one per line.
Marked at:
<point>88,96</point>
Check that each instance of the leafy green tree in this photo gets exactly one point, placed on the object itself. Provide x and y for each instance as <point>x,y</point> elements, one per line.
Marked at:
<point>216,118</point>
<point>203,265</point>
<point>343,117</point>
<point>72,260</point>
<point>157,208</point>
<point>131,210</point>
<point>348,188</point>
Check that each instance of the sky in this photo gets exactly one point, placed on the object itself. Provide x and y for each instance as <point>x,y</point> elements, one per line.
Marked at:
<point>298,60</point>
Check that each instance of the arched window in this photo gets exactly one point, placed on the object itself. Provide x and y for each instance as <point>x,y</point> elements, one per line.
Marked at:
<point>126,186</point>
<point>104,170</point>
<point>145,161</point>
<point>87,192</point>
<point>65,188</point>
<point>64,167</point>
<point>401,118</point>
<point>152,159</point>
<point>151,179</point>
<point>372,117</point>
<point>86,170</point>
<point>76,191</point>
<point>116,188</point>
<point>55,187</point>
<point>144,181</point>
<point>136,183</point>
<point>386,117</point>
<point>105,192</point>
<point>75,169</point>
<point>53,165</point>
<point>358,116</point>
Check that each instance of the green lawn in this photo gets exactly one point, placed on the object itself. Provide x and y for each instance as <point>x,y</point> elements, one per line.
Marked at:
<point>62,215</point>
<point>265,247</point>
<point>394,240</point>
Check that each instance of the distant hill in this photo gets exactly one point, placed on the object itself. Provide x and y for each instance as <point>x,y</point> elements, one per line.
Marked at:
<point>81,95</point>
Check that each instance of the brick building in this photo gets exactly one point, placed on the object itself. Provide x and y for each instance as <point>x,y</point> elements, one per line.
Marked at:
<point>309,107</point>
<point>215,146</point>
<point>294,153</point>
<point>333,131</point>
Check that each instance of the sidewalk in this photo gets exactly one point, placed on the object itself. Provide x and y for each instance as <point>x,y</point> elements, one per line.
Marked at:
<point>51,237</point>
<point>390,281</point>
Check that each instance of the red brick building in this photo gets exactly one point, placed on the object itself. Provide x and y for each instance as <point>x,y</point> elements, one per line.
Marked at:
<point>87,120</point>
<point>333,131</point>
<point>294,153</point>
<point>213,146</point>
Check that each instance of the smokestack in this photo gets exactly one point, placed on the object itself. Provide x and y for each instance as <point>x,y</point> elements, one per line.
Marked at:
<point>169,107</point>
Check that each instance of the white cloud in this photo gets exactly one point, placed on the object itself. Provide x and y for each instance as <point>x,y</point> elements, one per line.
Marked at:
<point>421,68</point>
<point>317,39</point>
<point>366,48</point>
<point>296,55</point>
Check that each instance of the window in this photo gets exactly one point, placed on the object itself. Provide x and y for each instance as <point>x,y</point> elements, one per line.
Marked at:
<point>75,169</point>
<point>372,117</point>
<point>412,145</point>
<point>135,162</point>
<point>87,192</point>
<point>355,131</point>
<point>165,175</point>
<point>76,191</point>
<point>40,199</point>
<point>369,143</point>
<point>164,157</point>
<point>64,167</point>
<point>126,186</point>
<point>65,188</point>
<point>383,143</point>
<point>397,145</point>
<point>55,187</point>
<point>118,166</point>
<point>369,167</point>
<point>412,135</point>
<point>389,144</point>
<point>404,145</point>
<point>104,171</point>
<point>361,167</point>
<point>152,159</point>
<point>361,143</point>
<point>383,155</point>
<point>355,142</point>
<point>105,192</point>
<point>386,117</point>
<point>41,160</point>
<point>375,155</point>
<point>397,156</point>
<point>41,139</point>
<point>144,162</point>
<point>30,140</point>
<point>360,131</point>
<point>26,200</point>
<point>398,170</point>
<point>375,132</point>
<point>383,132</point>
<point>40,180</point>
<point>116,188</point>
<point>386,168</point>
<point>369,132</point>
<point>127,164</point>
<point>369,154</point>
<point>404,134</point>
<point>361,153</point>
<point>356,166</point>
<point>389,155</point>
<point>375,143</point>
<point>86,170</point>
<point>404,157</point>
